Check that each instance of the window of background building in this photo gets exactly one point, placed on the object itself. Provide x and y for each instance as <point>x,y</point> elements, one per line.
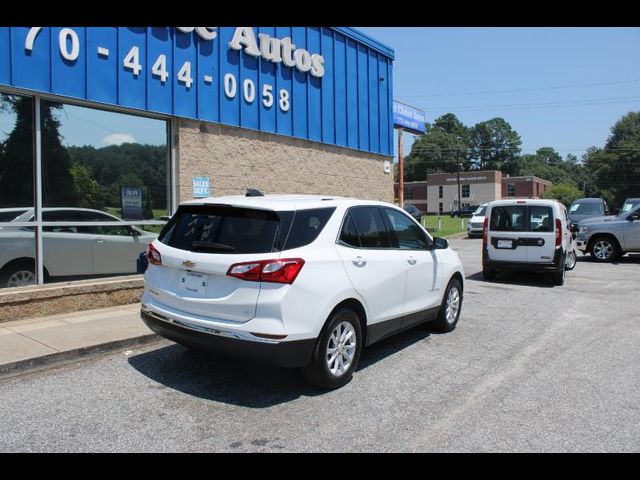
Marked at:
<point>440,208</point>
<point>511,190</point>
<point>466,191</point>
<point>409,194</point>
<point>440,191</point>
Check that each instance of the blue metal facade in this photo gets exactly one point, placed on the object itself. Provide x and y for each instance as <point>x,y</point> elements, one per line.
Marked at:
<point>350,105</point>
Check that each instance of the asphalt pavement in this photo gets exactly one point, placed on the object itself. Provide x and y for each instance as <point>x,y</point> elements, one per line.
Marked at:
<point>530,367</point>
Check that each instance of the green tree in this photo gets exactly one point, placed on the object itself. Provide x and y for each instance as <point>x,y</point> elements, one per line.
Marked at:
<point>615,169</point>
<point>88,191</point>
<point>494,145</point>
<point>439,149</point>
<point>564,192</point>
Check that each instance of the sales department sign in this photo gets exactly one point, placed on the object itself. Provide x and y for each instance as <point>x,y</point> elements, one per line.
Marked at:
<point>327,84</point>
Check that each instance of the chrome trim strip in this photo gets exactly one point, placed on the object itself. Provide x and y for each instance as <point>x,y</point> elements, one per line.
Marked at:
<point>211,331</point>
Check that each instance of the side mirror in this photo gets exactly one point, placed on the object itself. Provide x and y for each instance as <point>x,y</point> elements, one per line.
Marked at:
<point>133,232</point>
<point>440,243</point>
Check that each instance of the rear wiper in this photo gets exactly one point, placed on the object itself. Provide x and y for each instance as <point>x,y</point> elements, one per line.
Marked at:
<point>212,246</point>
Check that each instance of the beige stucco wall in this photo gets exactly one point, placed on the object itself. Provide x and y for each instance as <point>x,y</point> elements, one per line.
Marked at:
<point>235,159</point>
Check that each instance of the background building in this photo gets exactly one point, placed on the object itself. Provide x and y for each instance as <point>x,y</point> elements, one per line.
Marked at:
<point>415,193</point>
<point>439,194</point>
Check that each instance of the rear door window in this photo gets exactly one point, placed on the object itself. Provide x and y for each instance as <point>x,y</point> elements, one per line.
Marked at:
<point>540,219</point>
<point>508,218</point>
<point>370,227</point>
<point>222,229</point>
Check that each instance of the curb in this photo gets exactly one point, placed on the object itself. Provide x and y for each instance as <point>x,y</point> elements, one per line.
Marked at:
<point>21,366</point>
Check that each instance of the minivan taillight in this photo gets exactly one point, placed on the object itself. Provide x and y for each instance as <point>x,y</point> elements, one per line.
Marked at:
<point>284,270</point>
<point>485,225</point>
<point>558,232</point>
<point>153,255</point>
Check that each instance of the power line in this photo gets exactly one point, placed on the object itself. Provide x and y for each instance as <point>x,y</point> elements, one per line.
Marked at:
<point>568,103</point>
<point>487,92</point>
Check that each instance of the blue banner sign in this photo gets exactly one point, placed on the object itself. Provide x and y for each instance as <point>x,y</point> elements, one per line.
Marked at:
<point>201,188</point>
<point>409,118</point>
<point>325,84</point>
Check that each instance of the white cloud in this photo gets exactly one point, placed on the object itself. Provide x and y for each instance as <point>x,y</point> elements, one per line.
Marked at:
<point>118,139</point>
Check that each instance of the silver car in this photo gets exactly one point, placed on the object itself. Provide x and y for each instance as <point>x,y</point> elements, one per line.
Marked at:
<point>608,238</point>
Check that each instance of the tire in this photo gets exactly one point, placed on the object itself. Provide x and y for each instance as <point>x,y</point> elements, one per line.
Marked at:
<point>558,277</point>
<point>488,274</point>
<point>450,308</point>
<point>604,249</point>
<point>18,274</point>
<point>572,259</point>
<point>325,372</point>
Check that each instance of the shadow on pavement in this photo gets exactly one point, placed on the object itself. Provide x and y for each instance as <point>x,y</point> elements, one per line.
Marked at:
<point>531,279</point>
<point>244,383</point>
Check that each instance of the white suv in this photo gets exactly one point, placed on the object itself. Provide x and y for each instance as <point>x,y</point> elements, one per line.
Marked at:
<point>527,234</point>
<point>297,281</point>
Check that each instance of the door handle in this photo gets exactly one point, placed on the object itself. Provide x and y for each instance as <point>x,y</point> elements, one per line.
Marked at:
<point>359,261</point>
<point>411,260</point>
<point>100,240</point>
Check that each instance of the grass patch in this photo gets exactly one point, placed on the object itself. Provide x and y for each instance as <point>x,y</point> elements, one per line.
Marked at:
<point>448,225</point>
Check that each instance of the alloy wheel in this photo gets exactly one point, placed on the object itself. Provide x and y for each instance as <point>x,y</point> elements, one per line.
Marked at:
<point>341,349</point>
<point>21,278</point>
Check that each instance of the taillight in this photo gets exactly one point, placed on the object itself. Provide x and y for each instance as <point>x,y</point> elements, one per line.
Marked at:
<point>153,255</point>
<point>485,225</point>
<point>284,270</point>
<point>558,232</point>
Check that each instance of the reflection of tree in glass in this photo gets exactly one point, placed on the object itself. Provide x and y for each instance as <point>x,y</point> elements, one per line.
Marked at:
<point>58,189</point>
<point>16,154</point>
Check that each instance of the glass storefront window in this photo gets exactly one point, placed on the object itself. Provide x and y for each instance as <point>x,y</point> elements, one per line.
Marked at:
<point>16,154</point>
<point>104,184</point>
<point>105,168</point>
<point>17,243</point>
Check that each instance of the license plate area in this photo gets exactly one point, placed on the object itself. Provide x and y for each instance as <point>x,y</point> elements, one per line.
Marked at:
<point>193,283</point>
<point>504,244</point>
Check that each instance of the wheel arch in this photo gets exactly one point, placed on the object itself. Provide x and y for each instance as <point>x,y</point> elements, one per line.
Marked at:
<point>357,306</point>
<point>609,235</point>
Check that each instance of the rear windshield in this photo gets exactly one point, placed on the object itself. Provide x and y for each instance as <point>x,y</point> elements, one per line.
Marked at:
<point>629,205</point>
<point>586,208</point>
<point>235,230</point>
<point>521,218</point>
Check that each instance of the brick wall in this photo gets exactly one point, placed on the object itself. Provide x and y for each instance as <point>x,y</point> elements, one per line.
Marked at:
<point>235,159</point>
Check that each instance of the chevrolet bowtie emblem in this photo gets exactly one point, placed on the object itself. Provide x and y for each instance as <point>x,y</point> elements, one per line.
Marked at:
<point>188,264</point>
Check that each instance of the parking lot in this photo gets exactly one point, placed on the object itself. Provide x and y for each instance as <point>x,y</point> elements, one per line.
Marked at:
<point>530,367</point>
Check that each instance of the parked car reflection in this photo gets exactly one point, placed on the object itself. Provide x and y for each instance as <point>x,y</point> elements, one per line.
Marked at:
<point>70,250</point>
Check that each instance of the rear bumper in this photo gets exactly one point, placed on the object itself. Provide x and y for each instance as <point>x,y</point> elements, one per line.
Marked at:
<point>292,354</point>
<point>553,266</point>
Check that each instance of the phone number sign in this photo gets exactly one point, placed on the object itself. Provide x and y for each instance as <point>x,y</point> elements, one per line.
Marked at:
<point>252,77</point>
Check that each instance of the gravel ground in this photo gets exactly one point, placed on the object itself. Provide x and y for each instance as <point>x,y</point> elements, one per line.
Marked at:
<point>531,367</point>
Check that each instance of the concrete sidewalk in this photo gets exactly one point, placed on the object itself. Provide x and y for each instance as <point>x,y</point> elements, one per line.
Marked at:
<point>37,342</point>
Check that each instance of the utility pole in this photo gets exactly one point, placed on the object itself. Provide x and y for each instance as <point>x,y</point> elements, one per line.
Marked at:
<point>459,193</point>
<point>400,168</point>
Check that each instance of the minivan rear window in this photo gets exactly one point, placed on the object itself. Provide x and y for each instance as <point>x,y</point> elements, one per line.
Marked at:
<point>521,218</point>
<point>222,229</point>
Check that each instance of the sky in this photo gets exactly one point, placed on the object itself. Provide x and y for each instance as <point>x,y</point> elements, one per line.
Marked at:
<point>558,87</point>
